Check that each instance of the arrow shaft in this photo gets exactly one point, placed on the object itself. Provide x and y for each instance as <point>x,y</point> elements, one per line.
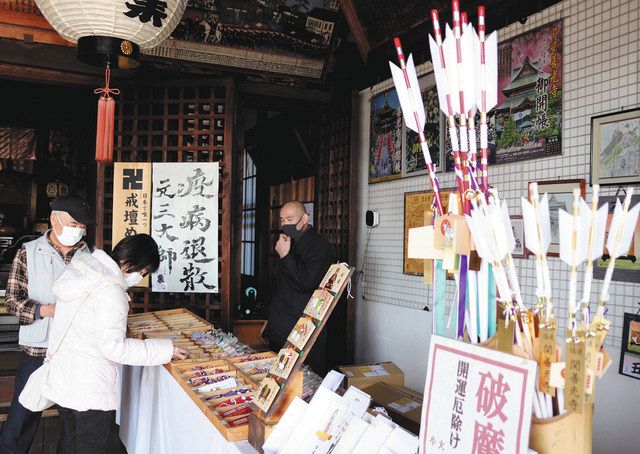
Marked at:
<point>421,137</point>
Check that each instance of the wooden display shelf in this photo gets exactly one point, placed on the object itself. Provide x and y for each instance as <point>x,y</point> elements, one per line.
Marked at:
<point>183,373</point>
<point>177,321</point>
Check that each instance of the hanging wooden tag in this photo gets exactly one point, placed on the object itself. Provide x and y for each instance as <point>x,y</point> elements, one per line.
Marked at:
<point>474,261</point>
<point>557,375</point>
<point>451,233</point>
<point>601,326</point>
<point>606,361</point>
<point>527,321</point>
<point>547,356</point>
<point>504,333</point>
<point>574,388</point>
<point>428,263</point>
<point>590,363</point>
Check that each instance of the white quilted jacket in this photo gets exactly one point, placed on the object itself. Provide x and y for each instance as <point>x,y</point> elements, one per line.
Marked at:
<point>84,371</point>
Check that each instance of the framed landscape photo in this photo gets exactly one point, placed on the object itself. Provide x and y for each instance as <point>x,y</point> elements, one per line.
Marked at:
<point>615,148</point>
<point>560,197</point>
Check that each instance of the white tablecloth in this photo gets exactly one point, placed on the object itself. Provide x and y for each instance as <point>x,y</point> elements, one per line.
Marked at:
<point>157,416</point>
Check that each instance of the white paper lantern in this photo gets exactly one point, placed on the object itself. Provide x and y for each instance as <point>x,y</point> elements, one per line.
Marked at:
<point>117,28</point>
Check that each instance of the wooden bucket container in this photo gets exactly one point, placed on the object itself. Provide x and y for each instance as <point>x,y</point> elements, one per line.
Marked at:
<point>570,433</point>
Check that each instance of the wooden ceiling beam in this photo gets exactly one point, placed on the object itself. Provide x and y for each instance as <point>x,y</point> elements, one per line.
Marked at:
<point>349,11</point>
<point>49,76</point>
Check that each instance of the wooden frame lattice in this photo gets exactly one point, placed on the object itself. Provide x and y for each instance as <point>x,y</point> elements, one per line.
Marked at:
<point>175,123</point>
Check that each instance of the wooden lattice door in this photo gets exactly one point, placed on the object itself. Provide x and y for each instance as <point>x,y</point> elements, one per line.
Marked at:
<point>176,123</point>
<point>335,188</point>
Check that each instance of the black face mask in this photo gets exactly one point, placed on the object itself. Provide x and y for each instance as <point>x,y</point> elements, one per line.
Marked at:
<point>291,231</point>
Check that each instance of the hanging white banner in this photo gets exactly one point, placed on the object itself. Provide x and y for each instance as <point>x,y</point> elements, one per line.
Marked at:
<point>185,225</point>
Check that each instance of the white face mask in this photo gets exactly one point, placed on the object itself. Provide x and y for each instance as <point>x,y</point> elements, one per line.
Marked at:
<point>133,278</point>
<point>70,235</point>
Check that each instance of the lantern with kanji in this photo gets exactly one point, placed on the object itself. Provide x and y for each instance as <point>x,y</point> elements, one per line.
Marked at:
<point>110,34</point>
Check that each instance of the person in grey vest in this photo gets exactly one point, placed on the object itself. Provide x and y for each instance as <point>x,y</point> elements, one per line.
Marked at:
<point>29,296</point>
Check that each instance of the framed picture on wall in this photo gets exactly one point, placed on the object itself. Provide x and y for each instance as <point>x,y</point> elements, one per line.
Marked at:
<point>560,197</point>
<point>615,148</point>
<point>517,224</point>
<point>630,348</point>
<point>627,267</point>
<point>413,162</point>
<point>528,117</point>
<point>415,206</point>
<point>385,137</point>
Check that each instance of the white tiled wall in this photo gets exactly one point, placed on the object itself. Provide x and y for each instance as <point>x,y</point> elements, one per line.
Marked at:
<point>601,65</point>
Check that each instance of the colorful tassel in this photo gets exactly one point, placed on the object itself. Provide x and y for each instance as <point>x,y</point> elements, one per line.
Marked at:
<point>106,114</point>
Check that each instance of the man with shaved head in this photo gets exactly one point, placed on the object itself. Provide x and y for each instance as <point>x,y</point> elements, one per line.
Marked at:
<point>304,258</point>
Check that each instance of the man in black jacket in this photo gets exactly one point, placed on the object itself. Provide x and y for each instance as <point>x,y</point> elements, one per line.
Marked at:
<point>305,257</point>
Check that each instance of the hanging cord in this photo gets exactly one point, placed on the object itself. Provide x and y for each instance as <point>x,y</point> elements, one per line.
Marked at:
<point>107,91</point>
<point>360,273</point>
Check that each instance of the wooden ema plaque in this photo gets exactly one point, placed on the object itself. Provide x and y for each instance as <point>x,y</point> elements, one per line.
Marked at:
<point>277,391</point>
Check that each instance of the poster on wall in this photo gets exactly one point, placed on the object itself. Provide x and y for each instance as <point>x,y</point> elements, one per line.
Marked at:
<point>630,349</point>
<point>475,399</point>
<point>385,143</point>
<point>415,206</point>
<point>286,37</point>
<point>413,162</point>
<point>529,112</point>
<point>131,202</point>
<point>185,226</point>
<point>491,141</point>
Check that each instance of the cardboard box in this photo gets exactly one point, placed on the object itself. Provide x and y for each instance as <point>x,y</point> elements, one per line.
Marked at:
<point>363,375</point>
<point>404,405</point>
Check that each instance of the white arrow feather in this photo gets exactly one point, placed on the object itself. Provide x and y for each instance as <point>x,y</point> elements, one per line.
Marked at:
<point>451,60</point>
<point>491,70</point>
<point>621,230</point>
<point>506,219</point>
<point>545,222</point>
<point>469,75</point>
<point>410,98</point>
<point>441,76</point>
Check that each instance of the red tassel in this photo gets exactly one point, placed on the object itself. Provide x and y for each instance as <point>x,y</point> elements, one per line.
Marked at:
<point>102,112</point>
<point>106,115</point>
<point>108,129</point>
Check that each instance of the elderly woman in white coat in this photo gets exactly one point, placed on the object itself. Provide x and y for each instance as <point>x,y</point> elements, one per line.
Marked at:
<point>90,328</point>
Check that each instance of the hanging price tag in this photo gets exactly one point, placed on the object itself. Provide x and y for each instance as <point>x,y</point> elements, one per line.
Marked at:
<point>547,355</point>
<point>574,388</point>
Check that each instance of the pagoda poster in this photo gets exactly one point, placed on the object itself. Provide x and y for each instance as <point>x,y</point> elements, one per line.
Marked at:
<point>385,143</point>
<point>528,117</point>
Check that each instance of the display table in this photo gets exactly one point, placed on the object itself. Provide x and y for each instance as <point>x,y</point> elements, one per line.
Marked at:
<point>157,416</point>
